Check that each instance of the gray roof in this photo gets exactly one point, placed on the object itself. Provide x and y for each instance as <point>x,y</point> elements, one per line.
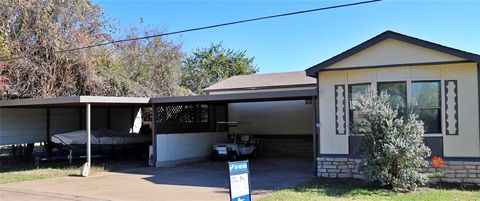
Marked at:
<point>74,101</point>
<point>263,81</point>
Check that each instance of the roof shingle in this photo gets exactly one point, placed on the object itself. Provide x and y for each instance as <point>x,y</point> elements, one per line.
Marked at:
<point>268,80</point>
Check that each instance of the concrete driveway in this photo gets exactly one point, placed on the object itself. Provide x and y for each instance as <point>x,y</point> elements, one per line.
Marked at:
<point>198,181</point>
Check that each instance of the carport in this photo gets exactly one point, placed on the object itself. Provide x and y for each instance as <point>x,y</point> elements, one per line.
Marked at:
<point>28,121</point>
<point>185,128</point>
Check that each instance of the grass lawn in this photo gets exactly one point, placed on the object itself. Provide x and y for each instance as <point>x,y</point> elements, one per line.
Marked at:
<point>25,172</point>
<point>328,189</point>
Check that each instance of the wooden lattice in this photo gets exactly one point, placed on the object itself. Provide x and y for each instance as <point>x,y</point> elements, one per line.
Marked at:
<point>184,118</point>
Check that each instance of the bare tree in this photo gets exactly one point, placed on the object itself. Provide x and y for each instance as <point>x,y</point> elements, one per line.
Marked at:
<point>152,67</point>
<point>36,30</point>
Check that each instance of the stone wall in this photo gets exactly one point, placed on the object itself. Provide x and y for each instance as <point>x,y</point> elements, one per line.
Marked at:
<point>338,167</point>
<point>451,171</point>
<point>457,172</point>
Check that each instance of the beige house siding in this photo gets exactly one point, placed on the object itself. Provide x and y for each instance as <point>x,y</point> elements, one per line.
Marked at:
<point>465,144</point>
<point>392,52</point>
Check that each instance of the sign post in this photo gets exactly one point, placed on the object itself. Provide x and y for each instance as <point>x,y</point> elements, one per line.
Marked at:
<point>239,181</point>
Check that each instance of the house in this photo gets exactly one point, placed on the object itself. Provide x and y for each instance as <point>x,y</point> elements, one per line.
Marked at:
<point>295,114</point>
<point>441,82</point>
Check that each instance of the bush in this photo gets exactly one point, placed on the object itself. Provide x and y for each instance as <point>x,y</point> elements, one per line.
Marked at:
<point>393,152</point>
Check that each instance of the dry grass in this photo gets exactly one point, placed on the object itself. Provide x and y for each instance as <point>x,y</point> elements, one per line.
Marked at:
<point>334,190</point>
<point>28,171</point>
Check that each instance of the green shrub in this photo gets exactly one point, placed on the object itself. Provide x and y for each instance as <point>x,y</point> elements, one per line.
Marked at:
<point>393,149</point>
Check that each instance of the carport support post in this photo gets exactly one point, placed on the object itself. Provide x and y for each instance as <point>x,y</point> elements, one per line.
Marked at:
<point>154,138</point>
<point>89,139</point>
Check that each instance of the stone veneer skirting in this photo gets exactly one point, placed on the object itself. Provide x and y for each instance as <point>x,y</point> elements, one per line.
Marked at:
<point>451,171</point>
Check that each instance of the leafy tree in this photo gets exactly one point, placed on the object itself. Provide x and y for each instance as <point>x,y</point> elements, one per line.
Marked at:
<point>207,66</point>
<point>393,151</point>
<point>150,67</point>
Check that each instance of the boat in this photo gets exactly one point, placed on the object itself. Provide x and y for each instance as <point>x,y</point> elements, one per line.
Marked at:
<point>103,141</point>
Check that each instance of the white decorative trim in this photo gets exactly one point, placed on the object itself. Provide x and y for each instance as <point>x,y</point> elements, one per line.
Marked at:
<point>451,107</point>
<point>340,119</point>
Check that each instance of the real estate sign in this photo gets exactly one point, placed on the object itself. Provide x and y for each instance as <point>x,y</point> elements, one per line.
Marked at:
<point>239,181</point>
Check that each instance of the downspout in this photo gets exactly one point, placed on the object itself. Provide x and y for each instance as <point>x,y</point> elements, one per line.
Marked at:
<point>478,96</point>
<point>314,137</point>
<point>316,124</point>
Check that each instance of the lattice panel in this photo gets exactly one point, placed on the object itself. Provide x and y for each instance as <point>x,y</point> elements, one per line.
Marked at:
<point>181,118</point>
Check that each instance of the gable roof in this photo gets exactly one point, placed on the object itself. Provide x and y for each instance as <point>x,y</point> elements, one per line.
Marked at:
<point>262,81</point>
<point>312,71</point>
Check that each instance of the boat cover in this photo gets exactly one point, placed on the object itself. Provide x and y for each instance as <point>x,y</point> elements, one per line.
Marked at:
<point>103,136</point>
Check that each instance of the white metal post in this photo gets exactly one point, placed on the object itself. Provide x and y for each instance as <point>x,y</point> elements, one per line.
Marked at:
<point>86,167</point>
<point>89,136</point>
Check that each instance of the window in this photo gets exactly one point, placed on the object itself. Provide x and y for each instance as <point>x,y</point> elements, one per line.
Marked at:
<point>425,95</point>
<point>397,91</point>
<point>354,113</point>
<point>426,100</point>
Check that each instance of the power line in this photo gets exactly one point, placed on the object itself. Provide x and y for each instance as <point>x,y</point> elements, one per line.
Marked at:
<point>205,27</point>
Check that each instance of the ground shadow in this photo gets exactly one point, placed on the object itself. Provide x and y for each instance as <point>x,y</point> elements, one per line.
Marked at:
<point>266,175</point>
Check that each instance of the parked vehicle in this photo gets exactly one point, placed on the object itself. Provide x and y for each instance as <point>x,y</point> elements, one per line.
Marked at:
<point>242,146</point>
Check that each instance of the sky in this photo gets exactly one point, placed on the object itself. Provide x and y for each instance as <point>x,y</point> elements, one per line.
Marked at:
<point>295,43</point>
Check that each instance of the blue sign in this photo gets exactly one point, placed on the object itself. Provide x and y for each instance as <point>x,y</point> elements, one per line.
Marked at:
<point>239,181</point>
<point>238,167</point>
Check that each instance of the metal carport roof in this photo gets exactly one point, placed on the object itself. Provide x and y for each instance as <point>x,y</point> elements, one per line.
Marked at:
<point>239,97</point>
<point>109,100</point>
<point>74,101</point>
